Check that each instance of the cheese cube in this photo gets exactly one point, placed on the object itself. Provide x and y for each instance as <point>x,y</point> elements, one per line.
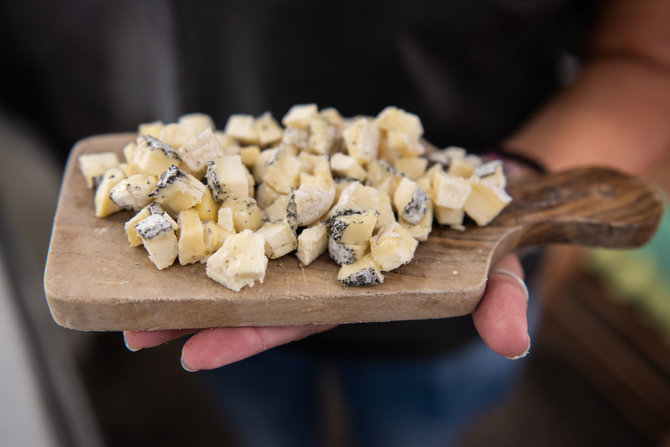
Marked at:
<point>197,152</point>
<point>239,262</point>
<point>176,135</point>
<point>450,191</point>
<point>177,190</point>
<point>154,156</point>
<point>363,272</point>
<point>485,201</point>
<point>412,167</point>
<point>132,193</point>
<point>214,235</point>
<point>361,140</point>
<point>249,155</point>
<point>384,177</point>
<point>191,244</point>
<point>242,128</point>
<point>225,219</point>
<point>449,216</point>
<point>198,122</point>
<point>159,240</point>
<point>392,247</point>
<point>395,119</point>
<point>93,166</point>
<point>344,165</point>
<point>129,227</point>
<point>207,207</point>
<point>410,201</point>
<point>103,203</point>
<point>282,172</point>
<point>352,227</point>
<point>246,213</point>
<point>153,129</point>
<point>333,117</point>
<point>299,115</point>
<point>227,178</point>
<point>315,195</point>
<point>280,239</point>
<point>347,253</point>
<point>268,130</point>
<point>312,243</point>
<point>422,229</point>
<point>323,137</point>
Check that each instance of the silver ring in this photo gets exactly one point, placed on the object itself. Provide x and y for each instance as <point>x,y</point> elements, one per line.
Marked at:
<point>516,278</point>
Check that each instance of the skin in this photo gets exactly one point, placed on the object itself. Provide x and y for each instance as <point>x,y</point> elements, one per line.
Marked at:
<point>616,114</point>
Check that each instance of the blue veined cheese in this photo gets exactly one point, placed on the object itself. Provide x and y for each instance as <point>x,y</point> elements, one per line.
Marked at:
<point>422,229</point>
<point>93,166</point>
<point>356,197</point>
<point>177,190</point>
<point>227,177</point>
<point>492,173</point>
<point>129,227</point>
<point>411,201</point>
<point>346,253</point>
<point>132,193</point>
<point>352,227</point>
<point>153,156</point>
<point>159,240</point>
<point>240,261</point>
<point>363,272</point>
<point>383,176</point>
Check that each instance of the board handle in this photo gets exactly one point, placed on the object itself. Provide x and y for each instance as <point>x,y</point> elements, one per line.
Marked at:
<point>596,207</point>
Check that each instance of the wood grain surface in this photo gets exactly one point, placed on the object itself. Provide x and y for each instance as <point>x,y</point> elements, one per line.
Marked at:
<point>94,281</point>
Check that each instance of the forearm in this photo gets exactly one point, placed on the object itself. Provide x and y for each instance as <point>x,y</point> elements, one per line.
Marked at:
<point>618,112</point>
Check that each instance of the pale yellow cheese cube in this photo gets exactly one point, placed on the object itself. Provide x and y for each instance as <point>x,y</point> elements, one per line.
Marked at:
<point>315,195</point>
<point>282,172</point>
<point>347,253</point>
<point>323,137</point>
<point>421,230</point>
<point>312,243</point>
<point>159,240</point>
<point>392,247</point>
<point>344,165</point>
<point>410,201</point>
<point>353,227</point>
<point>132,193</point>
<point>198,122</point>
<point>249,155</point>
<point>412,167</point>
<point>93,166</point>
<point>242,128</point>
<point>450,191</point>
<point>214,235</point>
<point>154,156</point>
<point>398,120</point>
<point>191,243</point>
<point>449,216</point>
<point>485,201</point>
<point>103,203</point>
<point>246,213</point>
<point>268,130</point>
<point>240,261</point>
<point>197,152</point>
<point>176,134</point>
<point>152,129</point>
<point>299,115</point>
<point>280,239</point>
<point>207,207</point>
<point>361,140</point>
<point>129,227</point>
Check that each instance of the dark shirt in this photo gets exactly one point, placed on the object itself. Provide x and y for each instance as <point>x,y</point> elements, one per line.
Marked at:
<point>472,70</point>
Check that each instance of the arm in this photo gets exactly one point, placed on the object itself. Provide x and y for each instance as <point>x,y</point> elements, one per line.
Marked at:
<point>617,113</point>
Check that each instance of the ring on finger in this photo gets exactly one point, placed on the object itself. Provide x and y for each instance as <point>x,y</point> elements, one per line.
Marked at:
<point>516,278</point>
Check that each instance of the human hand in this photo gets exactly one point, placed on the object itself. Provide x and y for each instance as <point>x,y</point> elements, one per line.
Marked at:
<point>500,319</point>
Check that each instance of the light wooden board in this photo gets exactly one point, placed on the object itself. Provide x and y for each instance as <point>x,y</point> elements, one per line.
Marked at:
<point>94,281</point>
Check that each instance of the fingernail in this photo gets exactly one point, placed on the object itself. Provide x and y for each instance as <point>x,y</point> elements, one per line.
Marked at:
<point>523,354</point>
<point>185,366</point>
<point>130,347</point>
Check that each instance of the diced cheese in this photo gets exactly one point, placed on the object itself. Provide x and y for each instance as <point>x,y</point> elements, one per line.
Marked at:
<point>159,240</point>
<point>268,130</point>
<point>153,156</point>
<point>246,213</point>
<point>315,195</point>
<point>93,166</point>
<point>410,201</point>
<point>191,244</point>
<point>227,178</point>
<point>361,140</point>
<point>198,122</point>
<point>299,115</point>
<point>344,165</point>
<point>352,227</point>
<point>242,128</point>
<point>485,201</point>
<point>280,239</point>
<point>103,203</point>
<point>197,152</point>
<point>176,134</point>
<point>312,242</point>
<point>177,190</point>
<point>132,193</point>
<point>364,272</point>
<point>240,261</point>
<point>450,191</point>
<point>392,247</point>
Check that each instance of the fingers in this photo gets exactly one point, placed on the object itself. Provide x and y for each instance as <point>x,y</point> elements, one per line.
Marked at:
<point>136,340</point>
<point>213,348</point>
<point>500,317</point>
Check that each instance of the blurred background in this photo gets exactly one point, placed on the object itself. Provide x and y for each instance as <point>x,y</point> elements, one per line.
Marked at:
<point>599,368</point>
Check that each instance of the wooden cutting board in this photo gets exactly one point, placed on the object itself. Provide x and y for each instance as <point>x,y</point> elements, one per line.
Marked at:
<point>94,281</point>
